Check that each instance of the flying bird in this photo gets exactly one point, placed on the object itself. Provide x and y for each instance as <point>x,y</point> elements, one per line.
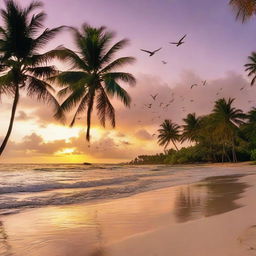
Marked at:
<point>154,96</point>
<point>149,105</point>
<point>164,62</point>
<point>151,53</point>
<point>193,86</point>
<point>180,41</point>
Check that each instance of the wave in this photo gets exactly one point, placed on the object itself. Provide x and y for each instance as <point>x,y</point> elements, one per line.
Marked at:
<point>53,186</point>
<point>77,197</point>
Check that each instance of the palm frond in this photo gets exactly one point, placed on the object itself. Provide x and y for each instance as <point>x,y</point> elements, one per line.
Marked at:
<point>118,63</point>
<point>114,89</point>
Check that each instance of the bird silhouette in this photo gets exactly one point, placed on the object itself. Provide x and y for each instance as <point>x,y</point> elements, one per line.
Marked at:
<point>151,53</point>
<point>164,62</point>
<point>204,82</point>
<point>149,105</point>
<point>154,96</point>
<point>180,42</point>
<point>193,86</point>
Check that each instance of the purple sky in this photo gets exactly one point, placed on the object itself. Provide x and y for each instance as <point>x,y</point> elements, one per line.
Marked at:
<point>215,42</point>
<point>215,50</point>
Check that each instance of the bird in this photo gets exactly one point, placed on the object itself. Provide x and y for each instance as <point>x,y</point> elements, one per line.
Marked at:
<point>180,42</point>
<point>241,88</point>
<point>164,62</point>
<point>154,96</point>
<point>204,82</point>
<point>151,53</point>
<point>193,86</point>
<point>167,105</point>
<point>149,105</point>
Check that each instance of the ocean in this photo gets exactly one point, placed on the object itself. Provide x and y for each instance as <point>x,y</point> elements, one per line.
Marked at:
<point>24,186</point>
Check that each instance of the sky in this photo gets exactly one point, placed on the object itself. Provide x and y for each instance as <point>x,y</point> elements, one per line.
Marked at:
<point>215,49</point>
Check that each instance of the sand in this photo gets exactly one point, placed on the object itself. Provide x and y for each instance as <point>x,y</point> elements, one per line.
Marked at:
<point>229,234</point>
<point>213,217</point>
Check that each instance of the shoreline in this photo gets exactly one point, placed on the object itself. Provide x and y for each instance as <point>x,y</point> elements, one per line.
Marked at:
<point>114,225</point>
<point>147,188</point>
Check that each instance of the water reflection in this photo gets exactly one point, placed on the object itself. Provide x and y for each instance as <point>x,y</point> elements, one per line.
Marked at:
<point>214,195</point>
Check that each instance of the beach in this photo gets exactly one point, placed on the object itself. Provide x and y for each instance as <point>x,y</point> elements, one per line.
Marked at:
<point>213,216</point>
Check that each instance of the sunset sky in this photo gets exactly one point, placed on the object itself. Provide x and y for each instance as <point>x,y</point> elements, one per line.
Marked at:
<point>216,48</point>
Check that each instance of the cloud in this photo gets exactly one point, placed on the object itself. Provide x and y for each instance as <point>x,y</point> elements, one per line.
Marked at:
<point>143,135</point>
<point>22,116</point>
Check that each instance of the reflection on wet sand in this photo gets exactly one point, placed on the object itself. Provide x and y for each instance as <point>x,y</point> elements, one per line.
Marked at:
<point>212,196</point>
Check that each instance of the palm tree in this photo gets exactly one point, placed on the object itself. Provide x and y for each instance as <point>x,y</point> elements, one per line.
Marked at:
<point>169,132</point>
<point>191,128</point>
<point>22,68</point>
<point>93,76</point>
<point>251,67</point>
<point>227,120</point>
<point>244,9</point>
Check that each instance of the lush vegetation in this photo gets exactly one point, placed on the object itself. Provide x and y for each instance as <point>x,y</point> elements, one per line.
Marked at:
<point>227,134</point>
<point>92,77</point>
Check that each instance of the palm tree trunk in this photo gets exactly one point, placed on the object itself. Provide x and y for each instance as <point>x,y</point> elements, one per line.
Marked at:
<point>14,107</point>
<point>223,152</point>
<point>89,113</point>
<point>233,151</point>
<point>175,145</point>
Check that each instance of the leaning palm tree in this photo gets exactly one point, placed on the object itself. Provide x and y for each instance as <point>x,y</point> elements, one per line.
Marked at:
<point>227,120</point>
<point>191,128</point>
<point>244,9</point>
<point>169,132</point>
<point>22,67</point>
<point>251,67</point>
<point>93,77</point>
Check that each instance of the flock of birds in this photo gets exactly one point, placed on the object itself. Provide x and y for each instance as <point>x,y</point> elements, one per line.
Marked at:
<point>178,43</point>
<point>157,103</point>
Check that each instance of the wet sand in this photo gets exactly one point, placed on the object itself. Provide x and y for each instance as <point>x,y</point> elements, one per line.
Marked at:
<point>212,217</point>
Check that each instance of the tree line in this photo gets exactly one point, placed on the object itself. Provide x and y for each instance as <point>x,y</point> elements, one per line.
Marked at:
<point>227,134</point>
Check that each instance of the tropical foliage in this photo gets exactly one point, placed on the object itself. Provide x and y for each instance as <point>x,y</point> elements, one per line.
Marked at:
<point>94,75</point>
<point>22,67</point>
<point>225,135</point>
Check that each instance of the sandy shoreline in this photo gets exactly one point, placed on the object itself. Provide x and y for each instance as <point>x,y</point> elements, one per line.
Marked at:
<point>231,233</point>
<point>213,217</point>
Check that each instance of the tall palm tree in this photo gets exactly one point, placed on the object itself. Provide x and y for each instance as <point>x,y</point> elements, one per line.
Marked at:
<point>22,67</point>
<point>191,128</point>
<point>169,132</point>
<point>244,9</point>
<point>227,120</point>
<point>93,77</point>
<point>251,67</point>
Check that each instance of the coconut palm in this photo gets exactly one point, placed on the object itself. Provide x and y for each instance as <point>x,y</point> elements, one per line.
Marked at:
<point>169,132</point>
<point>244,9</point>
<point>251,67</point>
<point>191,128</point>
<point>93,77</point>
<point>22,67</point>
<point>227,120</point>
